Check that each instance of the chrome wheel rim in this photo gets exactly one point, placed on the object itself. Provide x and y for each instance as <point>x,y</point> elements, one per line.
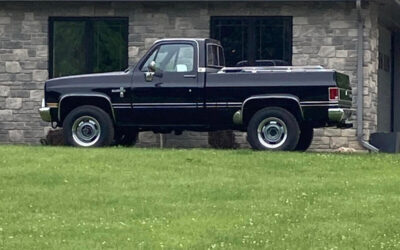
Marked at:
<point>272,132</point>
<point>86,131</point>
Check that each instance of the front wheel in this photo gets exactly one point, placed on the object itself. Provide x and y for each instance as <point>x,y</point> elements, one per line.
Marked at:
<point>273,129</point>
<point>88,126</point>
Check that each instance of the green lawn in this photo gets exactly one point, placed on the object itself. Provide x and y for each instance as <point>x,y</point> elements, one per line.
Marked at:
<point>129,198</point>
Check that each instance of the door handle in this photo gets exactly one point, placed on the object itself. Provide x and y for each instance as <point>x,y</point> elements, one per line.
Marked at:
<point>189,76</point>
<point>121,91</point>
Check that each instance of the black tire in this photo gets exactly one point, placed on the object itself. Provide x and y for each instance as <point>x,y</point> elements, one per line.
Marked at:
<point>274,119</point>
<point>125,137</point>
<point>306,137</point>
<point>91,119</point>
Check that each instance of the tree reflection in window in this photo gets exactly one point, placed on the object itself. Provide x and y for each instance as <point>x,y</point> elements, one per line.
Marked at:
<point>87,45</point>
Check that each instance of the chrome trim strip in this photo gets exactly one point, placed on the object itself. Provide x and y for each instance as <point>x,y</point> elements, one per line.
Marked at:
<point>198,104</point>
<point>122,104</point>
<point>177,104</point>
<point>83,95</point>
<point>224,107</point>
<point>319,102</point>
<point>165,103</point>
<point>150,107</point>
<point>319,105</point>
<point>276,69</point>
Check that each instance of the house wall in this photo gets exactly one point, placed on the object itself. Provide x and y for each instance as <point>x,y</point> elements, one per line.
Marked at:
<point>371,65</point>
<point>323,34</point>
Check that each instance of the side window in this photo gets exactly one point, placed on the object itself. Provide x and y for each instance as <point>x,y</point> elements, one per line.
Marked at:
<point>215,56</point>
<point>212,55</point>
<point>172,58</point>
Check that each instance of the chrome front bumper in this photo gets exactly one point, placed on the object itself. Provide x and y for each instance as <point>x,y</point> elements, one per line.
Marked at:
<point>45,112</point>
<point>339,115</point>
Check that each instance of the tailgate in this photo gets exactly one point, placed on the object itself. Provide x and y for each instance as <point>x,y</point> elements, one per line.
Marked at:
<point>345,92</point>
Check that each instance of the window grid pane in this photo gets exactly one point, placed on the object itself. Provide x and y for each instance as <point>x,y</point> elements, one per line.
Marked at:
<point>69,42</point>
<point>87,45</point>
<point>247,39</point>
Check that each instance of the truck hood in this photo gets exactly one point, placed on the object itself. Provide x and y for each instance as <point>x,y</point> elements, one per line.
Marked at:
<point>88,79</point>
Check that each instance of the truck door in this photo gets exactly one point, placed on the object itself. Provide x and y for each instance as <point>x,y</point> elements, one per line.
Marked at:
<point>172,95</point>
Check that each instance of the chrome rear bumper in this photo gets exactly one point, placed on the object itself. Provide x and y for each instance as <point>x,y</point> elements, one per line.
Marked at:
<point>339,115</point>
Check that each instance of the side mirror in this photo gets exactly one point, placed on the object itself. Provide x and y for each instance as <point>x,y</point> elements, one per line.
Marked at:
<point>152,67</point>
<point>152,72</point>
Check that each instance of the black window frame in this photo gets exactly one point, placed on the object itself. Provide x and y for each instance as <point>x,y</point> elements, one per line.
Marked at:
<point>89,29</point>
<point>251,50</point>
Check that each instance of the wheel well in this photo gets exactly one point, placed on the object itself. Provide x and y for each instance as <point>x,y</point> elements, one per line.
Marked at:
<point>252,106</point>
<point>70,103</point>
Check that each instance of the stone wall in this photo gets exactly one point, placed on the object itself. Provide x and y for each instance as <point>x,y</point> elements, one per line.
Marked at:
<point>323,34</point>
<point>371,65</point>
<point>23,70</point>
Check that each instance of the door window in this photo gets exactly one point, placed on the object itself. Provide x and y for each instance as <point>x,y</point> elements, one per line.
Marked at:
<point>172,58</point>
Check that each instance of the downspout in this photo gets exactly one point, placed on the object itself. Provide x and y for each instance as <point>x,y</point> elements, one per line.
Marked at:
<point>360,81</point>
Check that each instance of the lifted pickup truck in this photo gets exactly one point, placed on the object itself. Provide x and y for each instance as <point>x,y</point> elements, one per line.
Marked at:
<point>182,84</point>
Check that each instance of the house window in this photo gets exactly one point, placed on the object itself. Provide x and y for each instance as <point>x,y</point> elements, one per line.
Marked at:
<point>254,41</point>
<point>87,45</point>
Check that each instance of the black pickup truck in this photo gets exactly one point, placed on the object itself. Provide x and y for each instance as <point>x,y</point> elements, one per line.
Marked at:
<point>182,84</point>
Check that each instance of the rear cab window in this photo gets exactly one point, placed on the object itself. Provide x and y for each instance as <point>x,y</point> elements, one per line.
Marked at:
<point>215,56</point>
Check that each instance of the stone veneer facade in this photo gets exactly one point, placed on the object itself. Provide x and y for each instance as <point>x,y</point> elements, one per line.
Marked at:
<point>323,34</point>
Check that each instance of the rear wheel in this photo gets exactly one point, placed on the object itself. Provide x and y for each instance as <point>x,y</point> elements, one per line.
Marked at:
<point>273,129</point>
<point>306,137</point>
<point>88,126</point>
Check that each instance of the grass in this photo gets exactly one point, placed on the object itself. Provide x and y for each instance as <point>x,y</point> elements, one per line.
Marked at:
<point>120,198</point>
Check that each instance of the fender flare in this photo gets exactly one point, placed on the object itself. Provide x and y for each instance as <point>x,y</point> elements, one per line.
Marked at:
<point>85,95</point>
<point>238,116</point>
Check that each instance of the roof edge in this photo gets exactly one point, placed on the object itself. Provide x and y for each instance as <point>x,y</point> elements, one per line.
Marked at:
<point>398,1</point>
